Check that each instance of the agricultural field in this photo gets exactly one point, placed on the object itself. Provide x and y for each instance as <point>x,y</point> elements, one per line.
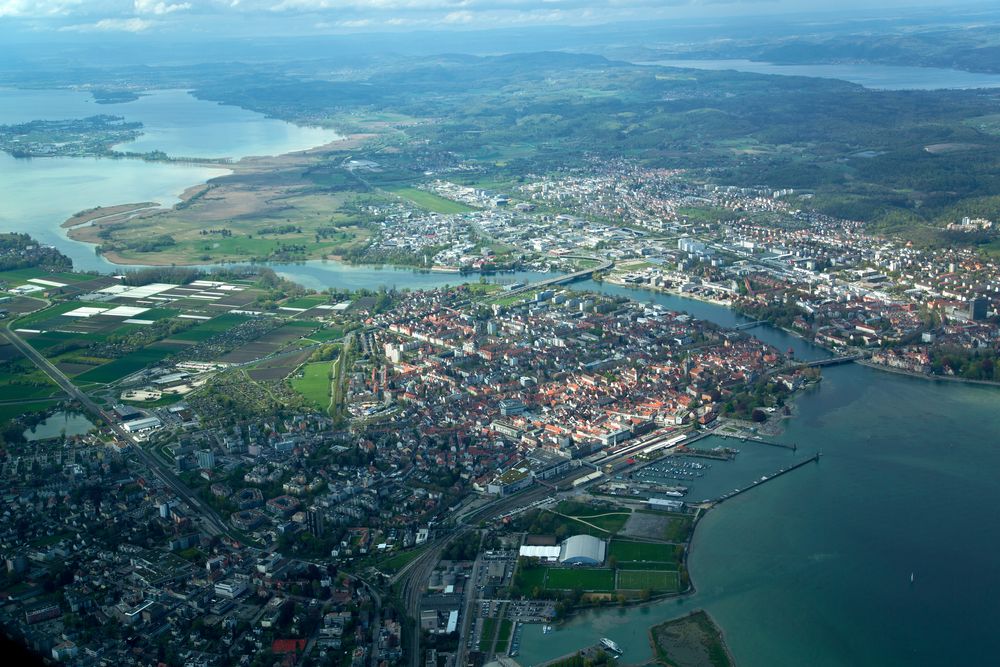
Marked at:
<point>33,320</point>
<point>208,328</point>
<point>269,343</point>
<point>130,363</point>
<point>306,302</point>
<point>278,367</point>
<point>19,276</point>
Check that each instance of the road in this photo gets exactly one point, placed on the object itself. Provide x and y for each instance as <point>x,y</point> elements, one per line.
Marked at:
<point>413,578</point>
<point>211,520</point>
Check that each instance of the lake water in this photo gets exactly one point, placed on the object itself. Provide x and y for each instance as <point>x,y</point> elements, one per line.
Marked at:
<point>38,194</point>
<point>885,77</point>
<point>813,568</point>
<point>809,569</point>
<point>173,121</point>
<point>60,424</point>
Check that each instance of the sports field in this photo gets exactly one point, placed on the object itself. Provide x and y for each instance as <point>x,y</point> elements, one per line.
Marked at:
<point>583,578</point>
<point>653,580</point>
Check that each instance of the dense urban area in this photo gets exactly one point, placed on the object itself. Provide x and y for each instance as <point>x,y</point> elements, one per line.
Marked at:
<point>205,463</point>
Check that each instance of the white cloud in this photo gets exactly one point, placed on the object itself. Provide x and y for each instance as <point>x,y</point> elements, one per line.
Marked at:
<point>159,8</point>
<point>38,8</point>
<point>112,25</point>
<point>458,17</point>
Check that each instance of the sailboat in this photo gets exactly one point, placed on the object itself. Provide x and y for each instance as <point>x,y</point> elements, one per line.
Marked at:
<point>912,577</point>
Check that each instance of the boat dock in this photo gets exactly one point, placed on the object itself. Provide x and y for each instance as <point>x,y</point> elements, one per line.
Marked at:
<point>717,454</point>
<point>757,482</point>
<point>757,439</point>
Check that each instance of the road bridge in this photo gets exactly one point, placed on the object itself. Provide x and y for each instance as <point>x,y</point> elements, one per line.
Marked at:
<point>565,278</point>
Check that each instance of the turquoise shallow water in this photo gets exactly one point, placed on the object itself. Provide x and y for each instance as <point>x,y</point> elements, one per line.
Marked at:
<point>813,568</point>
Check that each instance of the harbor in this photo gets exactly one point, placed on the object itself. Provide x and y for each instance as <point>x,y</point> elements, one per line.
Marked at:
<point>766,478</point>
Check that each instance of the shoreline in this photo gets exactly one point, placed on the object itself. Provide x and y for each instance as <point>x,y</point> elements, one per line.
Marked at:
<point>84,226</point>
<point>101,212</point>
<point>660,290</point>
<point>926,376</point>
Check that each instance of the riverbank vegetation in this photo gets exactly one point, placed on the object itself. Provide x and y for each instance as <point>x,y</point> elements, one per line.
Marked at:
<point>690,641</point>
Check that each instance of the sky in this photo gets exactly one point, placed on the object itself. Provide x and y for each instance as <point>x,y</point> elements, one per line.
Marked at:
<point>340,16</point>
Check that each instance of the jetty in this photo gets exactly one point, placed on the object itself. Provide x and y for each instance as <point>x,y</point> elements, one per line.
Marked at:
<point>759,440</point>
<point>767,478</point>
<point>587,653</point>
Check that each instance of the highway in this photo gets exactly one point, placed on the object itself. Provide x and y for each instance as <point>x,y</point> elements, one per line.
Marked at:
<point>212,522</point>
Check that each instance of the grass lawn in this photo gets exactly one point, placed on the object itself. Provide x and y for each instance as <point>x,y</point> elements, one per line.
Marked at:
<point>510,299</point>
<point>679,528</point>
<point>8,412</point>
<point>166,399</point>
<point>22,381</point>
<point>625,551</point>
<point>486,638</point>
<point>314,384</point>
<point>398,561</point>
<point>506,630</point>
<point>328,334</point>
<point>431,201</point>
<point>660,581</point>
<point>527,579</point>
<point>609,522</point>
<point>583,578</point>
<point>12,391</point>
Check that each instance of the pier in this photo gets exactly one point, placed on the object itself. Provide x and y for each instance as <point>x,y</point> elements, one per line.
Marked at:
<point>588,653</point>
<point>758,440</point>
<point>757,482</point>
